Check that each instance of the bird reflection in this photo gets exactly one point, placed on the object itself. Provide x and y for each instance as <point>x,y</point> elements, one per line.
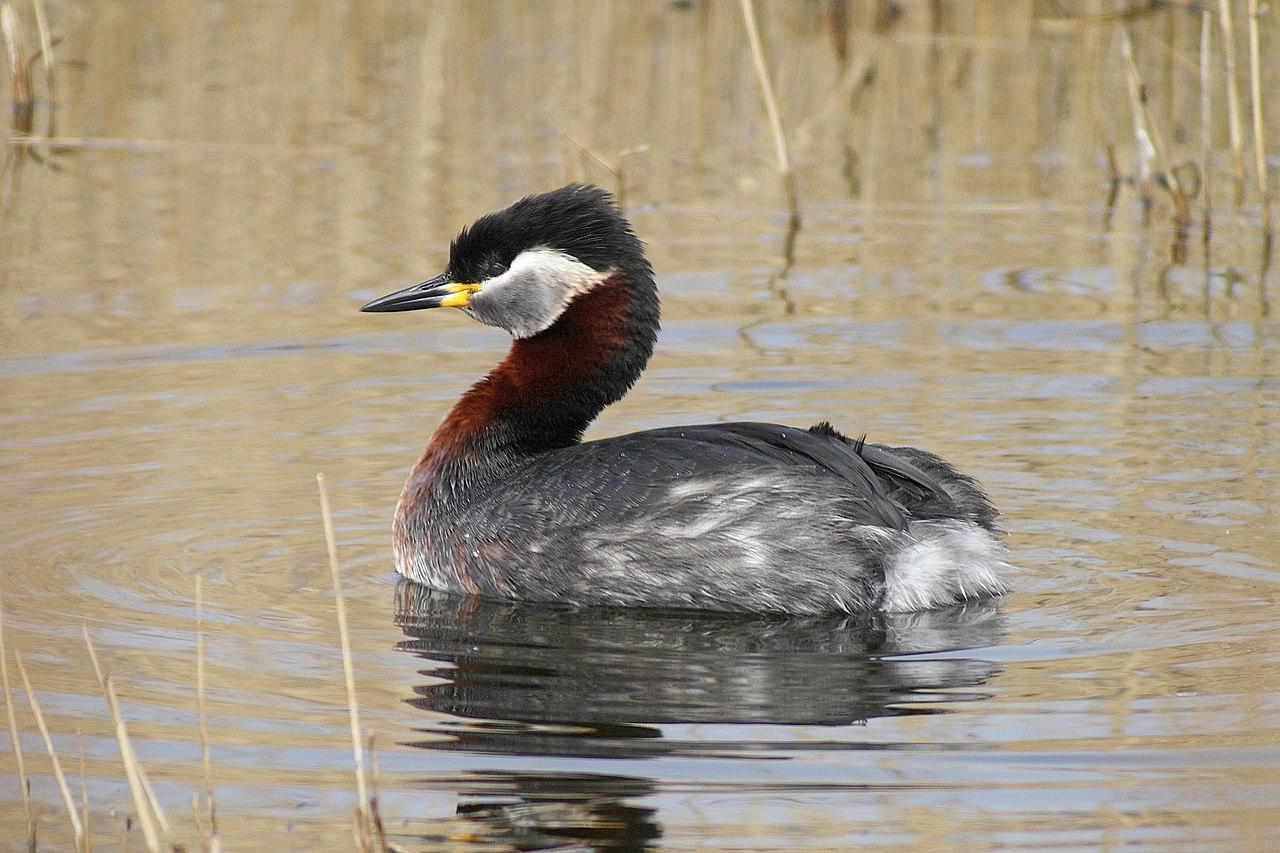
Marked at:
<point>522,679</point>
<point>558,811</point>
<point>593,680</point>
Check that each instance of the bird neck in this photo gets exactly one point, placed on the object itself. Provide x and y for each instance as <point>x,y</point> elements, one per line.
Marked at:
<point>551,385</point>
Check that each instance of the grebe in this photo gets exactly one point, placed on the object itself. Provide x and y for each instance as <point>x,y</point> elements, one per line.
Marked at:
<point>508,502</point>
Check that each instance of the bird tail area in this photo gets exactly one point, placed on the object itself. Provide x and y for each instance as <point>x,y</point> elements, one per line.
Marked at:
<point>924,484</point>
<point>945,562</point>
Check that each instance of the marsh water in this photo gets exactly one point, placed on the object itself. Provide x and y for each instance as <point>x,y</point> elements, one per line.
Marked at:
<point>181,354</point>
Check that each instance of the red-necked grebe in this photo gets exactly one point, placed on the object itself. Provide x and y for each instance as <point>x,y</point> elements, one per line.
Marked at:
<point>507,501</point>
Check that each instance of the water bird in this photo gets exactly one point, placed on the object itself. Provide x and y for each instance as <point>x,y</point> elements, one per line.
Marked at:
<point>508,501</point>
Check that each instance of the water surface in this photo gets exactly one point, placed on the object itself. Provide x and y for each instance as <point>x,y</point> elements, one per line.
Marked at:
<point>180,353</point>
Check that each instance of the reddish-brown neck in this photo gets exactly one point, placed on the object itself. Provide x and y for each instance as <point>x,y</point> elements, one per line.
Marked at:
<point>551,385</point>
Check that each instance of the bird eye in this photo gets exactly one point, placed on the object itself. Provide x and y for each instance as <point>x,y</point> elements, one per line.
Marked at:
<point>495,269</point>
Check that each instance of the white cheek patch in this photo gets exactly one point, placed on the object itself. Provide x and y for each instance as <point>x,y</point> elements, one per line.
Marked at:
<point>534,292</point>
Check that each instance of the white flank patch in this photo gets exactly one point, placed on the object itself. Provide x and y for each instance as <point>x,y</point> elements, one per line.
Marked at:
<point>948,562</point>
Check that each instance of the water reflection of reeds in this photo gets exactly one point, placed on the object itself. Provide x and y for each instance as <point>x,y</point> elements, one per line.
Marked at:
<point>875,97</point>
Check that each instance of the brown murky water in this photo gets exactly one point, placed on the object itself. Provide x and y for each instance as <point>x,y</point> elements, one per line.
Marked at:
<point>180,353</point>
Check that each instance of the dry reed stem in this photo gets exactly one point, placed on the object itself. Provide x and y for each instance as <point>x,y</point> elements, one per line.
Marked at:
<point>1259,148</point>
<point>1075,23</point>
<point>1233,96</point>
<point>211,841</point>
<point>145,820</point>
<point>155,828</point>
<point>856,76</point>
<point>19,79</point>
<point>46,59</point>
<point>122,833</point>
<point>1206,143</point>
<point>197,814</point>
<point>23,108</point>
<point>771,108</point>
<point>70,804</point>
<point>23,781</point>
<point>84,795</point>
<point>1152,145</point>
<point>616,170</point>
<point>1108,147</point>
<point>344,638</point>
<point>375,810</point>
<point>583,148</point>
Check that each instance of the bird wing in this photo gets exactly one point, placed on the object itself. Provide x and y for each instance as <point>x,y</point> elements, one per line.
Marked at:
<point>631,470</point>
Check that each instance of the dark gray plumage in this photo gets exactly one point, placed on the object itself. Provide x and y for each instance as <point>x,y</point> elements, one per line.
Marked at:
<point>507,502</point>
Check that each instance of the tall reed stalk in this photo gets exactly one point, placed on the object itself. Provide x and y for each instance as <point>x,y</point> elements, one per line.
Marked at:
<point>368,825</point>
<point>23,782</point>
<point>771,109</point>
<point>72,816</point>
